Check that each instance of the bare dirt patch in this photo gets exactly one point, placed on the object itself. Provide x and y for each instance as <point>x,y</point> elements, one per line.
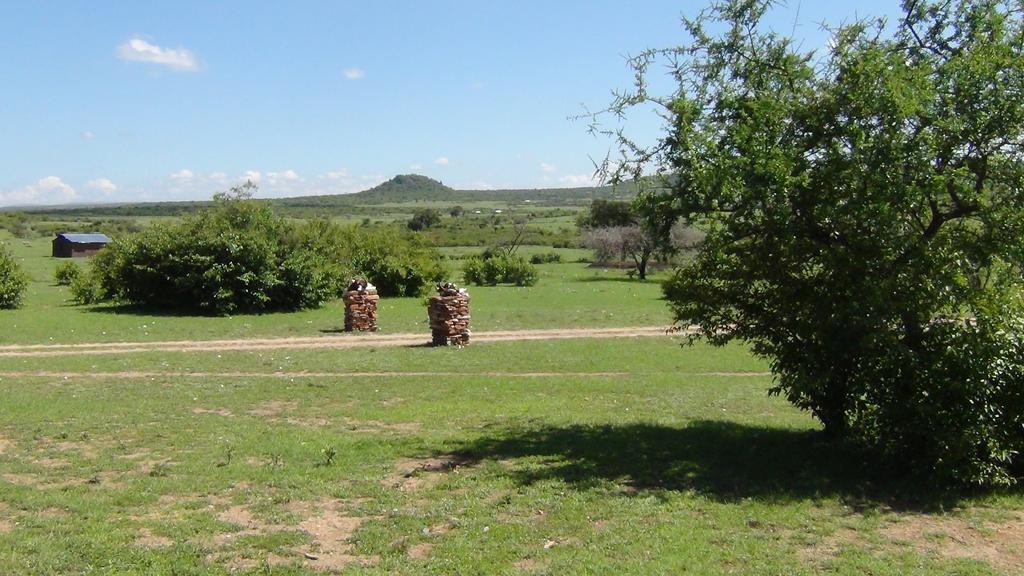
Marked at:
<point>331,530</point>
<point>5,524</point>
<point>218,411</point>
<point>5,445</point>
<point>23,479</point>
<point>420,551</point>
<point>998,544</point>
<point>325,521</point>
<point>529,565</point>
<point>147,539</point>
<point>272,408</point>
<point>372,426</point>
<point>416,473</point>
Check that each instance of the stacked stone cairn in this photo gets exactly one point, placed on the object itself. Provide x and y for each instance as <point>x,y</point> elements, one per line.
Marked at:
<point>360,306</point>
<point>449,316</point>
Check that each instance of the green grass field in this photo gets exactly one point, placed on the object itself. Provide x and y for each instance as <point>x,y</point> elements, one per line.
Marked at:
<point>587,456</point>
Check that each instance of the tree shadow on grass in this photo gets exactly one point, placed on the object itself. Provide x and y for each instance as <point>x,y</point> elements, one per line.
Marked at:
<point>721,460</point>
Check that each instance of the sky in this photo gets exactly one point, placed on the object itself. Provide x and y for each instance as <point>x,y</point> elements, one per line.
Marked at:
<point>151,101</point>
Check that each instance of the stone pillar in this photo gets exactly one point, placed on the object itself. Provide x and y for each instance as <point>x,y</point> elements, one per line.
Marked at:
<point>360,306</point>
<point>449,316</point>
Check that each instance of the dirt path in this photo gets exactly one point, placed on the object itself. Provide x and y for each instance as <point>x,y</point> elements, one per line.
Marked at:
<point>129,375</point>
<point>318,342</point>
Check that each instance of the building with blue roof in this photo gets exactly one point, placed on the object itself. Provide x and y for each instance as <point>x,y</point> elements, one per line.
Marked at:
<point>72,245</point>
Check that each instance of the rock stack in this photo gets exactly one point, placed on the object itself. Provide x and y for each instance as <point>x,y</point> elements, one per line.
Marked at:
<point>449,316</point>
<point>360,306</point>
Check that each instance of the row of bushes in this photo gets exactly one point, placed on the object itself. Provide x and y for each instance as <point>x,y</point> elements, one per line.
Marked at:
<point>238,256</point>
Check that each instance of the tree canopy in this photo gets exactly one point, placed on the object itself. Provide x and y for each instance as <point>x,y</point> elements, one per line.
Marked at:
<point>864,216</point>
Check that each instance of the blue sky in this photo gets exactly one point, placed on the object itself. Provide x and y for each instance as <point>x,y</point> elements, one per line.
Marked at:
<point>115,101</point>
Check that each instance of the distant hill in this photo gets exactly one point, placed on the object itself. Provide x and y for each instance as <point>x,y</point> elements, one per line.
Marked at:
<point>402,189</point>
<point>415,188</point>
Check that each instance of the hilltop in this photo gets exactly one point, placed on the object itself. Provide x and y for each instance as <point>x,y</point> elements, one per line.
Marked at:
<point>407,188</point>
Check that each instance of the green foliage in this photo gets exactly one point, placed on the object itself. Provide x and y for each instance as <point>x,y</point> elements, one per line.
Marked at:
<point>546,258</point>
<point>865,223</point>
<point>397,264</point>
<point>491,269</point>
<point>234,257</point>
<point>13,280</point>
<point>424,218</point>
<point>607,213</point>
<point>66,272</point>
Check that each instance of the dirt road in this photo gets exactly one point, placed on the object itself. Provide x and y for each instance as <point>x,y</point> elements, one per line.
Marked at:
<point>317,342</point>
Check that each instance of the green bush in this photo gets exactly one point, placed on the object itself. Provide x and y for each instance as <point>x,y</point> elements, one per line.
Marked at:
<point>239,257</point>
<point>492,269</point>
<point>546,258</point>
<point>234,257</point>
<point>66,272</point>
<point>13,281</point>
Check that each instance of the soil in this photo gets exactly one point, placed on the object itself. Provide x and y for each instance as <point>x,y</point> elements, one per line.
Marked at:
<point>346,341</point>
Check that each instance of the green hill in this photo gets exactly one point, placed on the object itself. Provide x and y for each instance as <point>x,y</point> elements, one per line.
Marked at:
<point>402,189</point>
<point>407,188</point>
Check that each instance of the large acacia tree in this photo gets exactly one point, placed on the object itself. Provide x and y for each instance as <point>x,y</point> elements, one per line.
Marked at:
<point>865,217</point>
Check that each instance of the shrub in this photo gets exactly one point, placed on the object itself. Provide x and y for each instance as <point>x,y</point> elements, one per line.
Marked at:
<point>424,218</point>
<point>397,265</point>
<point>493,269</point>
<point>546,258</point>
<point>234,257</point>
<point>13,280</point>
<point>66,272</point>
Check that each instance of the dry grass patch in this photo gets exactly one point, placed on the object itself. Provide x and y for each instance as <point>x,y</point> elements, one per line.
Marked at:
<point>326,522</point>
<point>998,544</point>
<point>217,411</point>
<point>272,408</point>
<point>5,445</point>
<point>147,539</point>
<point>420,551</point>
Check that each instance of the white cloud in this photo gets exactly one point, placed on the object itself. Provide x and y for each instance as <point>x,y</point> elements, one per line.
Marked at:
<point>575,180</point>
<point>138,50</point>
<point>103,185</point>
<point>339,174</point>
<point>54,185</point>
<point>442,161</point>
<point>548,168</point>
<point>355,73</point>
<point>415,166</point>
<point>281,178</point>
<point>252,176</point>
<point>219,178</point>
<point>48,190</point>
<point>182,176</point>
<point>87,135</point>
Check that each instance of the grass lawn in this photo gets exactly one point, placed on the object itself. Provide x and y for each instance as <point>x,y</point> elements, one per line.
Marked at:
<point>589,456</point>
<point>630,456</point>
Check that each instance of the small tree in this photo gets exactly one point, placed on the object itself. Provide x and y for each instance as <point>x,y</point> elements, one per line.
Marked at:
<point>865,218</point>
<point>621,244</point>
<point>424,218</point>
<point>13,280</point>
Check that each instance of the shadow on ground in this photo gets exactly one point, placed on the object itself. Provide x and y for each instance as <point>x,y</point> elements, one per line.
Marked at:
<point>721,460</point>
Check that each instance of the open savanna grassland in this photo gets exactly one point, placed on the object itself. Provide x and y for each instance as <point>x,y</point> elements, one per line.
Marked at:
<point>630,455</point>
